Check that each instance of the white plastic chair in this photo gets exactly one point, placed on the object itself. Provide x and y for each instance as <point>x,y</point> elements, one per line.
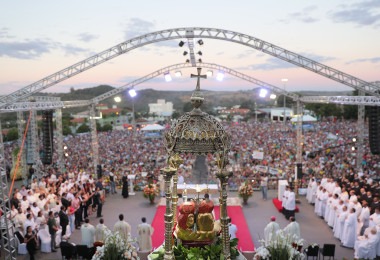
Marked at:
<point>21,247</point>
<point>45,238</point>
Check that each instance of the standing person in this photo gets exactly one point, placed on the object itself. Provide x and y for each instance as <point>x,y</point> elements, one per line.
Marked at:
<point>63,220</point>
<point>290,204</point>
<point>349,235</point>
<point>31,242</point>
<point>71,215</point>
<point>124,191</point>
<point>123,228</point>
<point>112,181</point>
<point>98,202</point>
<point>264,186</point>
<point>232,229</point>
<point>88,233</point>
<point>53,228</point>
<point>270,231</point>
<point>100,231</point>
<point>293,228</point>
<point>145,232</point>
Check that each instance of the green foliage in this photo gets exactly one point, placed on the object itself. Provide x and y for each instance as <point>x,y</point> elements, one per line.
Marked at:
<point>11,135</point>
<point>83,128</point>
<point>106,128</point>
<point>66,130</point>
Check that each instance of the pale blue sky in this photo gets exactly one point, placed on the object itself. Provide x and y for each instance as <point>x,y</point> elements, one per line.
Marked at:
<point>39,38</point>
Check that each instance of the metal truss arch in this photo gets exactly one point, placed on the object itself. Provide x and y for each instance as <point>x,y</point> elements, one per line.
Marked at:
<point>192,32</point>
<point>343,100</point>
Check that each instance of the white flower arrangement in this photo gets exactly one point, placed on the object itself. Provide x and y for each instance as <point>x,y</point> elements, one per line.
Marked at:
<point>283,247</point>
<point>115,247</point>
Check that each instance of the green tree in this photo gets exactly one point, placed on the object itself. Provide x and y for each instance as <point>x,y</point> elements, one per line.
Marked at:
<point>66,130</point>
<point>12,135</point>
<point>107,127</point>
<point>83,128</point>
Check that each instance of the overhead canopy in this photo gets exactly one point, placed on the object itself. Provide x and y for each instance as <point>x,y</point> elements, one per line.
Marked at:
<point>305,118</point>
<point>152,127</point>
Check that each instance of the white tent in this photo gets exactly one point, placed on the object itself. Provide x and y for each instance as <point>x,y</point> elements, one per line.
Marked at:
<point>153,127</point>
<point>305,118</point>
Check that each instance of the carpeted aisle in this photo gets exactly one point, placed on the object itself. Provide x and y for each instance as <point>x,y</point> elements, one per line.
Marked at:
<point>235,212</point>
<point>278,204</point>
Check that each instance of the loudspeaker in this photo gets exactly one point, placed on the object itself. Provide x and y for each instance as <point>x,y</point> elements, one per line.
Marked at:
<point>299,171</point>
<point>47,137</point>
<point>374,129</point>
<point>99,171</point>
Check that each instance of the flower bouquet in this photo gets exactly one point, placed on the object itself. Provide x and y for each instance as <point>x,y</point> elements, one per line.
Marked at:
<point>150,192</point>
<point>283,247</point>
<point>115,248</point>
<point>245,191</point>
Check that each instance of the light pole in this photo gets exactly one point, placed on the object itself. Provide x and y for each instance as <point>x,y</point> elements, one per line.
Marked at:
<point>132,93</point>
<point>284,83</point>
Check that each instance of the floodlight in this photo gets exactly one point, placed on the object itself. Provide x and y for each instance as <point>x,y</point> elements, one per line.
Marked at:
<point>199,53</point>
<point>65,147</point>
<point>66,154</point>
<point>263,92</point>
<point>168,77</point>
<point>272,96</point>
<point>178,73</point>
<point>200,42</point>
<point>209,73</point>
<point>284,80</point>
<point>220,76</point>
<point>354,139</point>
<point>181,43</point>
<point>353,148</point>
<point>132,92</point>
<point>117,99</point>
<point>185,53</point>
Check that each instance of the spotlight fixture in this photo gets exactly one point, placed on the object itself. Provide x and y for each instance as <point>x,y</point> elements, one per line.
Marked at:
<point>65,147</point>
<point>199,53</point>
<point>168,77</point>
<point>132,92</point>
<point>263,92</point>
<point>200,42</point>
<point>220,76</point>
<point>178,73</point>
<point>209,73</point>
<point>185,53</point>
<point>354,139</point>
<point>200,60</point>
<point>272,96</point>
<point>117,99</point>
<point>353,148</point>
<point>181,43</point>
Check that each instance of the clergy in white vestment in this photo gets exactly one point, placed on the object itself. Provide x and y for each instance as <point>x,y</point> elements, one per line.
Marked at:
<point>348,237</point>
<point>88,233</point>
<point>317,200</point>
<point>337,189</point>
<point>328,207</point>
<point>339,225</point>
<point>284,198</point>
<point>322,203</point>
<point>270,231</point>
<point>365,246</point>
<point>144,231</point>
<point>363,219</point>
<point>374,219</point>
<point>123,228</point>
<point>314,187</point>
<point>293,229</point>
<point>290,205</point>
<point>333,208</point>
<point>101,231</point>
<point>344,195</point>
<point>309,190</point>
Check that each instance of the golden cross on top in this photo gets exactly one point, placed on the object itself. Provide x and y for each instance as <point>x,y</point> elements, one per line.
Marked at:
<point>199,76</point>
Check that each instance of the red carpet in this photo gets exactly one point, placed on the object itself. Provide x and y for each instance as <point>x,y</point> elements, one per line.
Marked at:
<point>278,204</point>
<point>235,212</point>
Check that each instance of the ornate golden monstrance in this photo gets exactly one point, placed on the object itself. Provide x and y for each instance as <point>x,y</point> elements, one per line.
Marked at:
<point>196,133</point>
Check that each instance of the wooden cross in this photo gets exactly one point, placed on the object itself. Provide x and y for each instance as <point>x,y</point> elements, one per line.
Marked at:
<point>199,76</point>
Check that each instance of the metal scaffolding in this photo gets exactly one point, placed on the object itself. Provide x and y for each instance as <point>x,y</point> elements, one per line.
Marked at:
<point>59,136</point>
<point>94,137</point>
<point>21,128</point>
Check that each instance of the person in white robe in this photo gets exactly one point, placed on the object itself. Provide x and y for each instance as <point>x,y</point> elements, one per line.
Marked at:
<point>365,246</point>
<point>290,205</point>
<point>101,231</point>
<point>309,190</point>
<point>270,231</point>
<point>363,219</point>
<point>322,203</point>
<point>145,232</point>
<point>284,198</point>
<point>333,208</point>
<point>314,188</point>
<point>293,229</point>
<point>123,228</point>
<point>317,199</point>
<point>339,225</point>
<point>328,207</point>
<point>348,237</point>
<point>88,233</point>
<point>337,189</point>
<point>344,195</point>
<point>374,219</point>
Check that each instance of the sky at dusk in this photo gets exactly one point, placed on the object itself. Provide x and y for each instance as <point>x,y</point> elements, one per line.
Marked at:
<point>39,38</point>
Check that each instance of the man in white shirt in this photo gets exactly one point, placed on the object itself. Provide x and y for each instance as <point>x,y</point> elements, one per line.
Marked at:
<point>88,233</point>
<point>290,204</point>
<point>145,231</point>
<point>100,231</point>
<point>232,229</point>
<point>123,228</point>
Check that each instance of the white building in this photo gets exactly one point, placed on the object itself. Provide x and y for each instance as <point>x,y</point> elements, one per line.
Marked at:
<point>161,108</point>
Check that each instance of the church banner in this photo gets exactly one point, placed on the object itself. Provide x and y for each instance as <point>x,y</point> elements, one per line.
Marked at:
<point>258,155</point>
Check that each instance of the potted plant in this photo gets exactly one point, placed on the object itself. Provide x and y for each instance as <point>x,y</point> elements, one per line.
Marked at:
<point>150,192</point>
<point>245,191</point>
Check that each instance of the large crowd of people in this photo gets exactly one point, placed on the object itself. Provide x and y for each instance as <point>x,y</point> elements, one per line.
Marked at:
<point>62,201</point>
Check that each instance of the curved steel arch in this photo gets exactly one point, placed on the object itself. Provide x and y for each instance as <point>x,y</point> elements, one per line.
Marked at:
<point>187,65</point>
<point>190,33</point>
